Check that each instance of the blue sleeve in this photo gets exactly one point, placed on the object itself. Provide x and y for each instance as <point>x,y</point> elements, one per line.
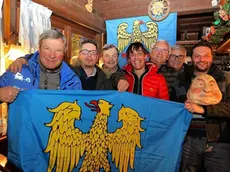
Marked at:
<point>79,83</point>
<point>5,78</point>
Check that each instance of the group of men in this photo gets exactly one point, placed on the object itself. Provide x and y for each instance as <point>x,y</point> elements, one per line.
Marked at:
<point>165,76</point>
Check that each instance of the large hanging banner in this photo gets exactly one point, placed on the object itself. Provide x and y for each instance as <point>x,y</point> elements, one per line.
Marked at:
<point>122,32</point>
<point>95,131</point>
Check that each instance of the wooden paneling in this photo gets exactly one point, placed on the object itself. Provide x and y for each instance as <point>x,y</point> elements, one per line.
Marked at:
<point>9,21</point>
<point>192,25</point>
<point>69,28</point>
<point>111,9</point>
<point>75,12</point>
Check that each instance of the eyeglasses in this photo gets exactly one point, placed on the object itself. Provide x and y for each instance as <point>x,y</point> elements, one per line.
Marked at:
<point>179,57</point>
<point>164,50</point>
<point>91,52</point>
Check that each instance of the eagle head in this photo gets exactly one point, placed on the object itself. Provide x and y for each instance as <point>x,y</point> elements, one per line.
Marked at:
<point>129,114</point>
<point>100,106</point>
<point>138,22</point>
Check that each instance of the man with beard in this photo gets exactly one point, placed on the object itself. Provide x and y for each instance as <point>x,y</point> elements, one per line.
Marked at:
<point>207,143</point>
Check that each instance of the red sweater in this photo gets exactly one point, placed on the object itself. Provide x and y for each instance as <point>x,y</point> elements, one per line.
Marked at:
<point>153,84</point>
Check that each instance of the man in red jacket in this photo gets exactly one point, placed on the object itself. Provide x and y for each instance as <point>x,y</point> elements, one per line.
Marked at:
<point>142,76</point>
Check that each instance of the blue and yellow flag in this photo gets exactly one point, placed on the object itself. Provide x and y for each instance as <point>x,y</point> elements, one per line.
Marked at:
<point>95,131</point>
<point>122,32</point>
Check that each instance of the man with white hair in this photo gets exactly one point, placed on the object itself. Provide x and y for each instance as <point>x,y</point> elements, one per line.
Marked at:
<point>159,53</point>
<point>177,57</point>
<point>170,61</point>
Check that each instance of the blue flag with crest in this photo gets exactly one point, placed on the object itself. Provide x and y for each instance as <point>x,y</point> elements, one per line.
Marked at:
<point>122,32</point>
<point>95,131</point>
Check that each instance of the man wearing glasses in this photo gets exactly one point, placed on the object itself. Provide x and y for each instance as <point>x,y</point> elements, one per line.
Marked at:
<point>174,66</point>
<point>92,77</point>
<point>177,57</point>
<point>170,62</point>
<point>159,53</point>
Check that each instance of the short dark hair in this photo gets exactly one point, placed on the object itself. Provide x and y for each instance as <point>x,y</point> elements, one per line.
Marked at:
<point>85,41</point>
<point>135,46</point>
<point>203,43</point>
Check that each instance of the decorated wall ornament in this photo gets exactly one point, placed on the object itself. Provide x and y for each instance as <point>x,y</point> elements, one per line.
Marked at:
<point>221,23</point>
<point>158,9</point>
<point>89,6</point>
<point>204,91</point>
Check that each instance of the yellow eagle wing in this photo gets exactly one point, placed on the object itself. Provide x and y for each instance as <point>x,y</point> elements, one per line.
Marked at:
<point>150,36</point>
<point>66,144</point>
<point>123,37</point>
<point>122,143</point>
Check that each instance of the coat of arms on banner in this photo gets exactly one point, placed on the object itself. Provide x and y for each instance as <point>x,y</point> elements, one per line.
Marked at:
<point>67,144</point>
<point>122,32</point>
<point>148,37</point>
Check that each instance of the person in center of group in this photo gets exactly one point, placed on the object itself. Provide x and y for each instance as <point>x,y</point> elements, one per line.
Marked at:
<point>159,53</point>
<point>109,57</point>
<point>174,65</point>
<point>142,76</point>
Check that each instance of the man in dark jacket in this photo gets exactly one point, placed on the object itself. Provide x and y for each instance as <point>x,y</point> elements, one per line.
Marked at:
<point>207,143</point>
<point>109,58</point>
<point>174,66</point>
<point>92,77</point>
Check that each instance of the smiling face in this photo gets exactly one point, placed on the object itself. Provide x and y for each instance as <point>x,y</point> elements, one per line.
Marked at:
<point>51,53</point>
<point>176,59</point>
<point>110,58</point>
<point>160,53</point>
<point>137,59</point>
<point>204,91</point>
<point>88,55</point>
<point>202,58</point>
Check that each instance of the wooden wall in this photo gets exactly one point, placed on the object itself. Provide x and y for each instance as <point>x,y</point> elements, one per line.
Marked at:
<point>75,11</point>
<point>112,9</point>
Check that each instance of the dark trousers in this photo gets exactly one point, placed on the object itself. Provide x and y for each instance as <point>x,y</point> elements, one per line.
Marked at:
<point>198,154</point>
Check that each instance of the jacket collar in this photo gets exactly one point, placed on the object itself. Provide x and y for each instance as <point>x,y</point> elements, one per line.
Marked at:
<point>151,67</point>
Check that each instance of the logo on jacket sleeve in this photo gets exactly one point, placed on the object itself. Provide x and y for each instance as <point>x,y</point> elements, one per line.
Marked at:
<point>20,77</point>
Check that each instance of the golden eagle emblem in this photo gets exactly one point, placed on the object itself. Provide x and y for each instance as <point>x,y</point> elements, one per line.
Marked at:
<point>148,37</point>
<point>68,144</point>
